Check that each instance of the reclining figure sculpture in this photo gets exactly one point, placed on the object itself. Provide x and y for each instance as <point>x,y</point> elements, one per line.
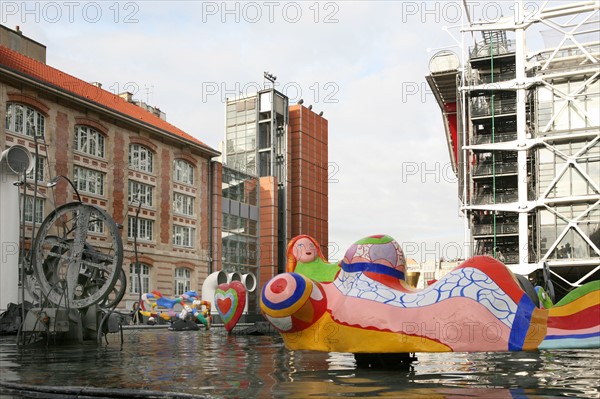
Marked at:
<point>364,305</point>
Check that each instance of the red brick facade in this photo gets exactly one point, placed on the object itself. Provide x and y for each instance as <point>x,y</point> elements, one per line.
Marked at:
<point>63,110</point>
<point>308,171</point>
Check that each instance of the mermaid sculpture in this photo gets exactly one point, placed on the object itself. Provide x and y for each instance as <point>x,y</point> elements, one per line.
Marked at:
<point>364,305</point>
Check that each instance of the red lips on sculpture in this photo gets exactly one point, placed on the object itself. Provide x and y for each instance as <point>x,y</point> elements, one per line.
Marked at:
<point>230,300</point>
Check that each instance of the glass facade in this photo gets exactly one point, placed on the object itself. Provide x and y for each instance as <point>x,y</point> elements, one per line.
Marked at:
<point>240,221</point>
<point>569,169</point>
<point>241,135</point>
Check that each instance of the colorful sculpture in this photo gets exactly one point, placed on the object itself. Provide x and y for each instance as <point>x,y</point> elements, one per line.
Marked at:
<point>369,308</point>
<point>160,306</point>
<point>305,257</point>
<point>230,300</point>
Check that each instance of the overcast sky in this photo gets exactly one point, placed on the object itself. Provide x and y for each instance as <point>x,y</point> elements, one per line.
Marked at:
<point>362,63</point>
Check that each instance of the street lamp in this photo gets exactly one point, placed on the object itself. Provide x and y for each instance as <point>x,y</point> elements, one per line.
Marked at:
<point>55,180</point>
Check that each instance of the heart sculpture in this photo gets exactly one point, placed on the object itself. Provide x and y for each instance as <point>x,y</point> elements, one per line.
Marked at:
<point>230,300</point>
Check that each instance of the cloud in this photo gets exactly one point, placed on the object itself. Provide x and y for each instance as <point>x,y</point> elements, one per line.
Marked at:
<point>362,63</point>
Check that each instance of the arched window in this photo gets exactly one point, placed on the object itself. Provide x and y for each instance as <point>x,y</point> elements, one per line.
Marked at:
<point>183,281</point>
<point>89,141</point>
<point>25,120</point>
<point>143,283</point>
<point>183,171</point>
<point>140,158</point>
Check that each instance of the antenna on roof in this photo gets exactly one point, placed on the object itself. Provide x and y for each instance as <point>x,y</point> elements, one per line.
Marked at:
<point>149,90</point>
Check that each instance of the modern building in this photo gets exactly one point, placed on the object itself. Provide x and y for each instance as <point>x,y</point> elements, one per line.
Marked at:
<point>153,178</point>
<point>523,130</point>
<point>285,147</point>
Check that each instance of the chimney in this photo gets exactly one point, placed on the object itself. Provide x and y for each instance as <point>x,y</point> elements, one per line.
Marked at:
<point>127,96</point>
<point>16,41</point>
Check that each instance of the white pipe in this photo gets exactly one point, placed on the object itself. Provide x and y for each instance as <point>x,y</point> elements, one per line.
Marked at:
<point>235,276</point>
<point>249,281</point>
<point>14,163</point>
<point>210,286</point>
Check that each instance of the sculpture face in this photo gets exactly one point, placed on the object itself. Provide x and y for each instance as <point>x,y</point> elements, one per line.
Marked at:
<point>304,250</point>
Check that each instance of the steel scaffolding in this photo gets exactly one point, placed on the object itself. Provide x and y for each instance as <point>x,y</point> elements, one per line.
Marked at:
<point>524,138</point>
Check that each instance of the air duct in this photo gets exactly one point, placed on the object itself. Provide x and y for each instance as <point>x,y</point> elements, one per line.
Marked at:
<point>15,162</point>
<point>249,281</point>
<point>235,276</point>
<point>210,286</point>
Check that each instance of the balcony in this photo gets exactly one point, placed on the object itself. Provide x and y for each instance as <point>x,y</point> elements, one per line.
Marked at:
<point>485,49</point>
<point>501,228</point>
<point>498,138</point>
<point>568,57</point>
<point>501,198</point>
<point>477,79</point>
<point>501,168</point>
<point>482,106</point>
<point>510,258</point>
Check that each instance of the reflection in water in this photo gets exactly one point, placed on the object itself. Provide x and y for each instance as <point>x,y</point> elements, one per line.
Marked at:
<point>217,365</point>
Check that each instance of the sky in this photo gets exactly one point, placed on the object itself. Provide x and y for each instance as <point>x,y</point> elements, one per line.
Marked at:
<point>362,63</point>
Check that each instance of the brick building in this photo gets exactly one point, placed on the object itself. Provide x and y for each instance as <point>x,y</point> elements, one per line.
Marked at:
<point>189,214</point>
<point>119,154</point>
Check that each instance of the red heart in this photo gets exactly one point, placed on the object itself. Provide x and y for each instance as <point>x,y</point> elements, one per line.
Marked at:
<point>230,300</point>
<point>224,305</point>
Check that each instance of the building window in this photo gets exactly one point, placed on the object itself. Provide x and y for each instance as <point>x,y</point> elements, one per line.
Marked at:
<point>183,204</point>
<point>89,141</point>
<point>96,223</point>
<point>183,281</point>
<point>141,285</point>
<point>183,236</point>
<point>183,172</point>
<point>143,193</point>
<point>140,158</point>
<point>25,120</point>
<point>39,209</point>
<point>142,229</point>
<point>38,170</point>
<point>88,180</point>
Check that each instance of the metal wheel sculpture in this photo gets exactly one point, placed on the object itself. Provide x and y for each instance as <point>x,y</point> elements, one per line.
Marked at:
<point>72,272</point>
<point>117,293</point>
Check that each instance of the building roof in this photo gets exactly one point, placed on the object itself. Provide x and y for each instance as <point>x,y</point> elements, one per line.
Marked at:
<point>38,71</point>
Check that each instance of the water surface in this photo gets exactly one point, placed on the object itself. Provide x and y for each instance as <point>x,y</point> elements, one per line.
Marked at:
<point>213,364</point>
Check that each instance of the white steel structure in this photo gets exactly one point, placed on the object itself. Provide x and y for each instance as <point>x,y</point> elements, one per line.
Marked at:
<point>523,128</point>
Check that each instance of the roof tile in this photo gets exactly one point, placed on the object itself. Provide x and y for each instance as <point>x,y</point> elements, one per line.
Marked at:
<point>52,76</point>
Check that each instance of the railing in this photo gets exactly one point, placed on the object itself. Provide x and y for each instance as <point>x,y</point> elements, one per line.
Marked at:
<point>569,52</point>
<point>501,228</point>
<point>478,79</point>
<point>500,169</point>
<point>483,50</point>
<point>498,138</point>
<point>500,198</point>
<point>510,259</point>
<point>482,106</point>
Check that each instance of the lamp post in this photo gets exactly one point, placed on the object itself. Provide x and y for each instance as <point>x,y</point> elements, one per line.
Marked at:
<point>55,180</point>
